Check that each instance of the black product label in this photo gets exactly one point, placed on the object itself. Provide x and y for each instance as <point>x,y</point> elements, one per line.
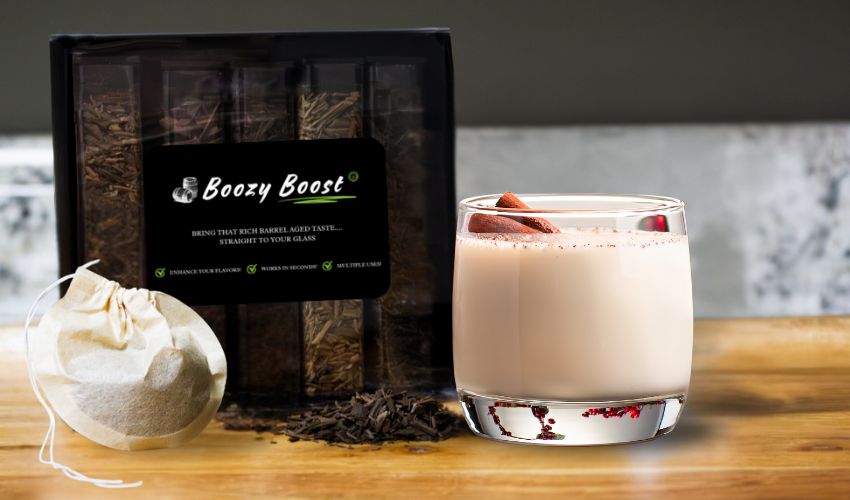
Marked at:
<point>267,222</point>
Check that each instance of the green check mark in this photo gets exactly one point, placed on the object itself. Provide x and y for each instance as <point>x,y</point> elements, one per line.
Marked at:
<point>251,269</point>
<point>159,272</point>
<point>327,265</point>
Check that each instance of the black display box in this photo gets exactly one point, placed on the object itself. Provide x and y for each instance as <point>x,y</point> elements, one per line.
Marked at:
<point>144,124</point>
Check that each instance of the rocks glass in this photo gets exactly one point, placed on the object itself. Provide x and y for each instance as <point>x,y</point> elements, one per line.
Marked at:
<point>579,335</point>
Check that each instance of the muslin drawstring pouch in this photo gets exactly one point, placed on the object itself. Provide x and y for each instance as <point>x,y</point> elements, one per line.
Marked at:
<point>130,369</point>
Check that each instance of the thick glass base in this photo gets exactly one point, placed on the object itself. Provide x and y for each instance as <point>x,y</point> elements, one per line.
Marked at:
<point>569,423</point>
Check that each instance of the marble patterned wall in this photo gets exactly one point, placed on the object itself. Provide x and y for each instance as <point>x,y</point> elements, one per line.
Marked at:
<point>768,206</point>
<point>28,258</point>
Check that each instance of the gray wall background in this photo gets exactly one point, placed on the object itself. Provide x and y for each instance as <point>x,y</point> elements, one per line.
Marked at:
<point>534,62</point>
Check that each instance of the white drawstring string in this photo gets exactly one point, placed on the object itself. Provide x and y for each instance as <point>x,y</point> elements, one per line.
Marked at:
<point>51,430</point>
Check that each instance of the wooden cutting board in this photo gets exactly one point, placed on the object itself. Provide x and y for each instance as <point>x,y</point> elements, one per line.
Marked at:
<point>768,416</point>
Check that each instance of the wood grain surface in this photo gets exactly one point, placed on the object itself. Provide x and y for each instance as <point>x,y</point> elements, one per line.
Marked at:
<point>768,417</point>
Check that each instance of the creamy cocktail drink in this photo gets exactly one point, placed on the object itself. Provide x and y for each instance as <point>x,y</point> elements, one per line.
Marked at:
<point>584,315</point>
<point>594,321</point>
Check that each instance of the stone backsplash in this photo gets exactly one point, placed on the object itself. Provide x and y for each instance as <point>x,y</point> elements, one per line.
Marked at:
<point>768,206</point>
<point>28,258</point>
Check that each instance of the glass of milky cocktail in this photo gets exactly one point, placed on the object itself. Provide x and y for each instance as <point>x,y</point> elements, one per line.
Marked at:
<point>573,317</point>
